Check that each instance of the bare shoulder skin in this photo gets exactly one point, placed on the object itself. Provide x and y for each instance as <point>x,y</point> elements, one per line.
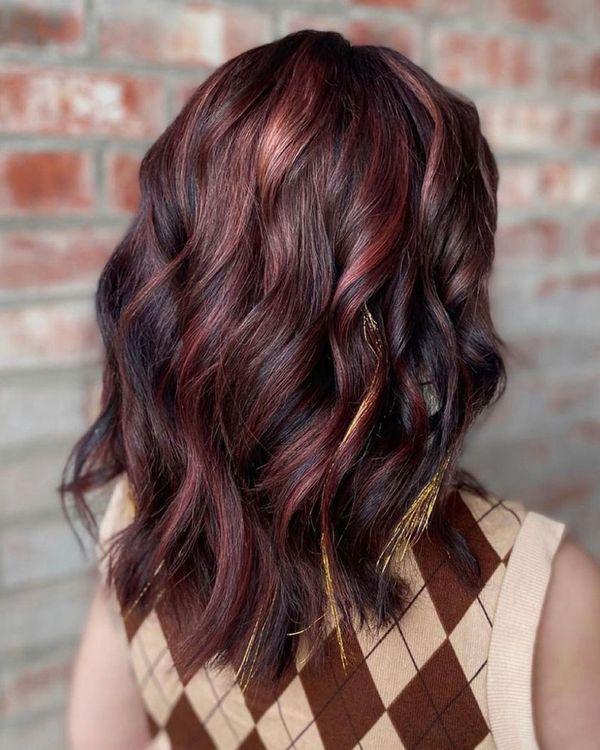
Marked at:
<point>105,708</point>
<point>566,661</point>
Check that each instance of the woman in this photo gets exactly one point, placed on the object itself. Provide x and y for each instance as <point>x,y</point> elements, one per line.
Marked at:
<point>298,337</point>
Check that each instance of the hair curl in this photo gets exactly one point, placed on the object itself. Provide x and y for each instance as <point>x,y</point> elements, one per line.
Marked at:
<point>304,180</point>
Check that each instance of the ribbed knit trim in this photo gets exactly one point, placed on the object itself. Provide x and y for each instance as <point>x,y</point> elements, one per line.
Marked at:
<point>510,656</point>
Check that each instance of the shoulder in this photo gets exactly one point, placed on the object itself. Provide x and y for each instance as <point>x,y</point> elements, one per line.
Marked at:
<point>566,668</point>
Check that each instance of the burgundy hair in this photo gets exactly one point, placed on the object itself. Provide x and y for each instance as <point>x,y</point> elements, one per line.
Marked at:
<point>304,180</point>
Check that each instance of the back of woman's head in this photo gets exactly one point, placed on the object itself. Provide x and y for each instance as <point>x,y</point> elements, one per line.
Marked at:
<point>297,338</point>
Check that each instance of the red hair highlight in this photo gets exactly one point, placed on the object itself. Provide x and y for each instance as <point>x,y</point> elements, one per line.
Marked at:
<point>304,181</point>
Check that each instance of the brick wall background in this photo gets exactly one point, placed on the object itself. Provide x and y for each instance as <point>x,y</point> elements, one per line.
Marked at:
<point>86,85</point>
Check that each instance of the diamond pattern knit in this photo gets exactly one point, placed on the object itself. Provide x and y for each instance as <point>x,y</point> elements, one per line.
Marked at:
<point>420,683</point>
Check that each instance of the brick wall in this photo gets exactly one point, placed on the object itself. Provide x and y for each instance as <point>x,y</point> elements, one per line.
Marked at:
<point>86,85</point>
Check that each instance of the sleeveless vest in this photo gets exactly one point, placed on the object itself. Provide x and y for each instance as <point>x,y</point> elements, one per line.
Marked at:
<point>454,671</point>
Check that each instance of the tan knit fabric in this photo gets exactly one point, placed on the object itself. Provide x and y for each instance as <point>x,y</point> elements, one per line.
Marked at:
<point>453,671</point>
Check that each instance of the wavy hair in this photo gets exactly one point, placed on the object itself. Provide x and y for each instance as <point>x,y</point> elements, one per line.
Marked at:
<point>297,338</point>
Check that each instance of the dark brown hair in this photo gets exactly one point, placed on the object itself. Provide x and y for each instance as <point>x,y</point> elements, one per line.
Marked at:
<point>304,181</point>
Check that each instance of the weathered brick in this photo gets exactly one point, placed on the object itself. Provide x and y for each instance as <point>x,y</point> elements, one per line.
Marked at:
<point>546,351</point>
<point>518,185</point>
<point>402,36</point>
<point>535,402</point>
<point>71,102</point>
<point>53,259</point>
<point>32,492</point>
<point>574,68</point>
<point>591,238</point>
<point>533,239</point>
<point>449,7</point>
<point>565,182</point>
<point>395,4</point>
<point>465,58</point>
<point>43,410</point>
<point>576,282</point>
<point>531,300</point>
<point>181,92</point>
<point>38,551</point>
<point>45,182</point>
<point>44,731</point>
<point>121,174</point>
<point>186,33</point>
<point>42,24</point>
<point>530,126</point>
<point>540,13</point>
<point>552,471</point>
<point>540,445</point>
<point>587,429</point>
<point>592,129</point>
<point>38,683</point>
<point>43,615</point>
<point>52,333</point>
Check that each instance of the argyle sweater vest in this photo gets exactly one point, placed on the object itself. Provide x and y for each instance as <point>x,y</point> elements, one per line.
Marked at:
<point>453,671</point>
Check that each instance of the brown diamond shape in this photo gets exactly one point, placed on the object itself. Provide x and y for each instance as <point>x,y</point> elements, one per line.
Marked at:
<point>252,742</point>
<point>259,697</point>
<point>412,713</point>
<point>464,721</point>
<point>185,729</point>
<point>334,725</point>
<point>362,700</point>
<point>443,676</point>
<point>451,596</point>
<point>319,682</point>
<point>132,621</point>
<point>436,739</point>
<point>152,725</point>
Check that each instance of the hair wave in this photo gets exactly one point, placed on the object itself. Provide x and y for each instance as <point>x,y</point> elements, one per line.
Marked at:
<point>304,180</point>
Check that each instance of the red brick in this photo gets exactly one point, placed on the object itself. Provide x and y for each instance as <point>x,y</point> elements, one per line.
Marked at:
<point>396,4</point>
<point>37,493</point>
<point>573,68</point>
<point>518,186</point>
<point>70,102</point>
<point>381,31</point>
<point>53,259</point>
<point>43,616</point>
<point>55,333</point>
<point>121,173</point>
<point>577,282</point>
<point>463,58</point>
<point>591,238</point>
<point>40,684</point>
<point>538,239</point>
<point>43,410</point>
<point>449,7</point>
<point>187,34</point>
<point>592,129</point>
<point>41,23</point>
<point>568,183</point>
<point>588,429</point>
<point>544,13</point>
<point>564,491</point>
<point>182,90</point>
<point>46,182</point>
<point>516,126</point>
<point>567,397</point>
<point>546,349</point>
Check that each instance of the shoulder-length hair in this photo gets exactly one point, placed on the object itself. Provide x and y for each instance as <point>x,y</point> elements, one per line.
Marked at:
<point>311,254</point>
